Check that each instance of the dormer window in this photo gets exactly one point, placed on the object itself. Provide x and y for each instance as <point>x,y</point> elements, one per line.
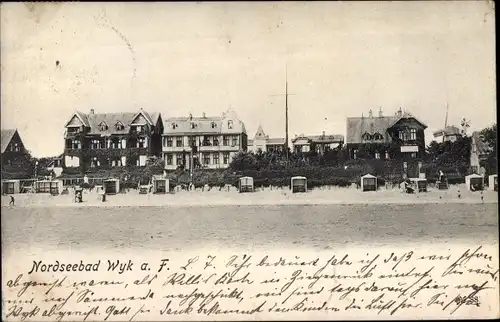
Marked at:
<point>174,126</point>
<point>229,124</point>
<point>193,125</point>
<point>103,126</point>
<point>214,125</point>
<point>378,136</point>
<point>366,137</point>
<point>119,126</point>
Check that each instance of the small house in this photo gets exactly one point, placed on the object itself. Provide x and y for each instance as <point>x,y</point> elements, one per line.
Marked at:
<point>246,184</point>
<point>10,187</point>
<point>474,182</point>
<point>160,184</point>
<point>298,184</point>
<point>419,184</point>
<point>111,186</point>
<point>493,182</point>
<point>368,183</point>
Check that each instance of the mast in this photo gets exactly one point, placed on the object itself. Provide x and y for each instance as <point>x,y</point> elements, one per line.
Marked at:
<point>445,120</point>
<point>286,112</point>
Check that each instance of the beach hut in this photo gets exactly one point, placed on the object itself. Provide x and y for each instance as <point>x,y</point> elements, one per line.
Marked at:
<point>111,186</point>
<point>368,183</point>
<point>54,187</point>
<point>246,184</point>
<point>298,184</point>
<point>419,184</point>
<point>160,184</point>
<point>474,182</point>
<point>11,187</point>
<point>493,182</point>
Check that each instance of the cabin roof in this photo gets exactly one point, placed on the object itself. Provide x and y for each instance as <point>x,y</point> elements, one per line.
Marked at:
<point>6,137</point>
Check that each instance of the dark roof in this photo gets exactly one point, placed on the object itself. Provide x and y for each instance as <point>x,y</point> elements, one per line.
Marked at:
<point>335,138</point>
<point>93,120</point>
<point>203,125</point>
<point>357,126</point>
<point>6,137</point>
<point>447,131</point>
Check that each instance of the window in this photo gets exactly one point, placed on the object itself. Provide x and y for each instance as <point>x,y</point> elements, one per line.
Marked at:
<point>192,141</point>
<point>119,126</point>
<point>403,135</point>
<point>216,158</point>
<point>413,134</point>
<point>95,144</point>
<point>178,141</point>
<point>225,140</point>
<point>179,160</point>
<point>103,126</point>
<point>170,159</point>
<point>413,155</point>
<point>235,141</point>
<point>216,141</point>
<point>174,126</point>
<point>387,155</point>
<point>354,153</point>
<point>377,155</point>
<point>366,137</point>
<point>229,124</point>
<point>169,141</point>
<point>214,125</point>
<point>116,163</point>
<point>206,158</point>
<point>116,143</point>
<point>141,143</point>
<point>94,162</point>
<point>17,148</point>
<point>405,165</point>
<point>225,157</point>
<point>75,144</point>
<point>193,125</point>
<point>378,136</point>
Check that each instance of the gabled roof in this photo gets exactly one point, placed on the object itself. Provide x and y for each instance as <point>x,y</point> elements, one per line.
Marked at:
<point>407,115</point>
<point>7,136</point>
<point>260,133</point>
<point>93,120</point>
<point>357,126</point>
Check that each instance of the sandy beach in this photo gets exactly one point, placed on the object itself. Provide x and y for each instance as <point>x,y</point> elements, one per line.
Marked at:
<point>276,196</point>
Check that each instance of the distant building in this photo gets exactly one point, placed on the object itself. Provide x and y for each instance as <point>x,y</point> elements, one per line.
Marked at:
<point>400,136</point>
<point>111,139</point>
<point>12,146</point>
<point>319,143</point>
<point>264,143</point>
<point>448,134</point>
<point>213,141</point>
<point>15,158</point>
<point>479,152</point>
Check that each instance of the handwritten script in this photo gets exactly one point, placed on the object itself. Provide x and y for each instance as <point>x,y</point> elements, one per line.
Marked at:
<point>240,286</point>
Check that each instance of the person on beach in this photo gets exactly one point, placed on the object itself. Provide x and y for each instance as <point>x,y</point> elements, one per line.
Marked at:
<point>12,201</point>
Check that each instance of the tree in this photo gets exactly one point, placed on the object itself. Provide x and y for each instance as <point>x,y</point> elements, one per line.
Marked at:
<point>489,136</point>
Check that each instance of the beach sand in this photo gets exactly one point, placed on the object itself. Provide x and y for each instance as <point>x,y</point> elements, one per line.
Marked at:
<point>276,196</point>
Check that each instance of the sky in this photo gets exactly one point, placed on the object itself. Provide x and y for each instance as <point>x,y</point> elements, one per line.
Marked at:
<point>341,59</point>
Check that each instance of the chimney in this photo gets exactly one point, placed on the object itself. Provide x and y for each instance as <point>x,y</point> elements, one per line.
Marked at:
<point>380,112</point>
<point>190,116</point>
<point>370,113</point>
<point>91,111</point>
<point>204,116</point>
<point>323,133</point>
<point>400,112</point>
